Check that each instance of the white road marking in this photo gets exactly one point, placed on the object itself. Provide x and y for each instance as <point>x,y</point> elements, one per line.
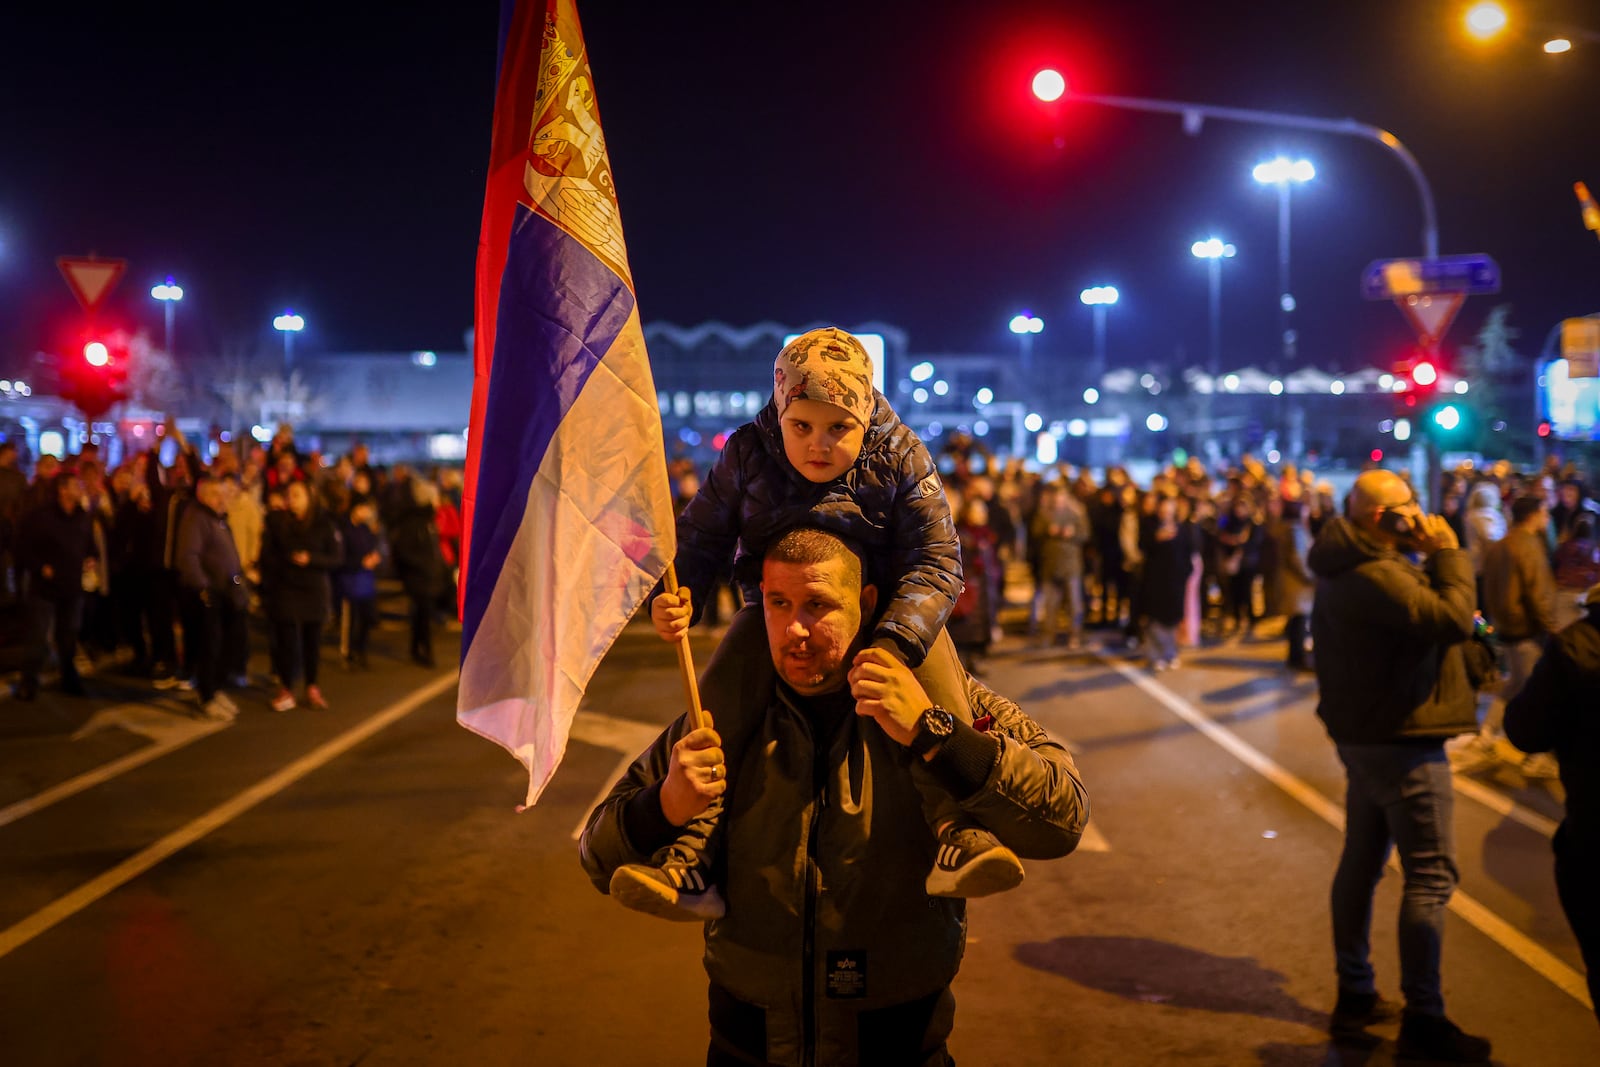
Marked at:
<point>1508,937</point>
<point>627,736</point>
<point>1093,840</point>
<point>168,731</point>
<point>1499,802</point>
<point>65,907</point>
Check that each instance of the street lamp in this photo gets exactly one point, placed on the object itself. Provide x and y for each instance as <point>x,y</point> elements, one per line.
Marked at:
<point>1486,20</point>
<point>1098,298</point>
<point>1025,326</point>
<point>1214,250</point>
<point>288,324</point>
<point>169,294</point>
<point>1282,172</point>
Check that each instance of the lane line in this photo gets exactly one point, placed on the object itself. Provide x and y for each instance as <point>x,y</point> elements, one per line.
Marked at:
<point>627,736</point>
<point>1093,840</point>
<point>1498,802</point>
<point>67,906</point>
<point>1492,926</point>
<point>105,772</point>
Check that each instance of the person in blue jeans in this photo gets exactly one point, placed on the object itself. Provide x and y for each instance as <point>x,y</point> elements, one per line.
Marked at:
<point>1397,676</point>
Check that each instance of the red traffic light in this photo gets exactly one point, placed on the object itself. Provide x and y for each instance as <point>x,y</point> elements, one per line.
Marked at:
<point>1424,373</point>
<point>96,354</point>
<point>1544,429</point>
<point>1377,455</point>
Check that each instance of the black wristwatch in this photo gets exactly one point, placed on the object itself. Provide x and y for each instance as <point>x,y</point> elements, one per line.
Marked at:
<point>935,725</point>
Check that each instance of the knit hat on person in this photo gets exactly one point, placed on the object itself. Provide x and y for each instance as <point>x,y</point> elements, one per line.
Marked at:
<point>829,365</point>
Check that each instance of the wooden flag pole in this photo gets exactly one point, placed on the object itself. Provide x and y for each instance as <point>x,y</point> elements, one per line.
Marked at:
<point>691,688</point>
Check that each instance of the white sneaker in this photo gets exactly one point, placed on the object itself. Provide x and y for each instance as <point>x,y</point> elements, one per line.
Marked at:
<point>1476,753</point>
<point>226,701</point>
<point>216,711</point>
<point>1540,765</point>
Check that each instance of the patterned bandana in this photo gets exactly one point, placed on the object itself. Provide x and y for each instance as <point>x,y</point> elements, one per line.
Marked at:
<point>829,365</point>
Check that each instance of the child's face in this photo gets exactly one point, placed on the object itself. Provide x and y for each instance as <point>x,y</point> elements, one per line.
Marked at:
<point>821,440</point>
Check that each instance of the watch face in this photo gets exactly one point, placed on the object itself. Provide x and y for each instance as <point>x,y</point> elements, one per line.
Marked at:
<point>939,721</point>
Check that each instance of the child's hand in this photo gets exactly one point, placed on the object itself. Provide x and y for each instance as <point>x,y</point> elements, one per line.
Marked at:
<point>670,613</point>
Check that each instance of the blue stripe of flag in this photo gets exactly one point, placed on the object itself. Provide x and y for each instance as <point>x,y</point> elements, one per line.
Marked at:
<point>560,311</point>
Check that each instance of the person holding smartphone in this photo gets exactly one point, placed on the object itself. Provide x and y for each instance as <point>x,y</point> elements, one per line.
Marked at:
<point>1392,639</point>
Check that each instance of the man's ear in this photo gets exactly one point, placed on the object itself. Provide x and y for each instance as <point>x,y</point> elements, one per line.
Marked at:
<point>869,600</point>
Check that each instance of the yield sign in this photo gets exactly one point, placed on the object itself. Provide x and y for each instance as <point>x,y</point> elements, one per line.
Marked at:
<point>1430,316</point>
<point>90,279</point>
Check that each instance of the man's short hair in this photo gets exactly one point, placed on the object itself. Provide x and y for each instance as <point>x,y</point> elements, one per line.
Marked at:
<point>810,544</point>
<point>1526,506</point>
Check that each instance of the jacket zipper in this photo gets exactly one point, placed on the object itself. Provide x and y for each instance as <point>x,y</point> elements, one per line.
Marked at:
<point>808,983</point>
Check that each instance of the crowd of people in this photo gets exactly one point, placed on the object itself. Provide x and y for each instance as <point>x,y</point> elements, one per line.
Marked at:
<point>171,573</point>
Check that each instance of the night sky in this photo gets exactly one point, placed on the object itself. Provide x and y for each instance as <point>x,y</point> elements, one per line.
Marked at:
<point>788,161</point>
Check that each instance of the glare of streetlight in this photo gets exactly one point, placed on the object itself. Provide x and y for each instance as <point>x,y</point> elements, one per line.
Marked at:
<point>168,291</point>
<point>1156,422</point>
<point>1424,373</point>
<point>95,354</point>
<point>1049,85</point>
<point>289,322</point>
<point>941,387</point>
<point>1033,422</point>
<point>1091,395</point>
<point>1213,248</point>
<point>984,396</point>
<point>1556,45</point>
<point>919,395</point>
<point>1336,387</point>
<point>1099,294</point>
<point>922,372</point>
<point>1283,169</point>
<point>1026,323</point>
<point>1486,20</point>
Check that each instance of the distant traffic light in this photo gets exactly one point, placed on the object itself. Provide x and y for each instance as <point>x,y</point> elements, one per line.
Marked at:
<point>96,379</point>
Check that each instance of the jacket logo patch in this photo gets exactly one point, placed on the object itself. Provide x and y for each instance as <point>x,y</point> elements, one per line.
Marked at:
<point>929,486</point>
<point>847,974</point>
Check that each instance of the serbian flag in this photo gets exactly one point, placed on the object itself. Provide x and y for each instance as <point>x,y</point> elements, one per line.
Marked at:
<point>568,515</point>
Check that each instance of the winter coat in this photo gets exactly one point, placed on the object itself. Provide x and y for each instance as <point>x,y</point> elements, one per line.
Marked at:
<point>207,560</point>
<point>291,592</point>
<point>1486,523</point>
<point>1390,638</point>
<point>1167,566</point>
<point>972,621</point>
<point>826,848</point>
<point>1577,564</point>
<point>891,501</point>
<point>1519,592</point>
<point>247,519</point>
<point>355,581</point>
<point>414,547</point>
<point>1059,555</point>
<point>1294,584</point>
<point>1556,709</point>
<point>50,537</point>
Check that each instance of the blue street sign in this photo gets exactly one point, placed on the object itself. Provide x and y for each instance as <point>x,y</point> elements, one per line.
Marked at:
<point>1388,279</point>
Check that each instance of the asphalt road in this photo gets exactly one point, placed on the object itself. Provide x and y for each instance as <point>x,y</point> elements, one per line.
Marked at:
<point>354,886</point>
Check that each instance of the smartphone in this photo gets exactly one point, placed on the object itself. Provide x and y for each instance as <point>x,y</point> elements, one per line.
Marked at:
<point>1396,523</point>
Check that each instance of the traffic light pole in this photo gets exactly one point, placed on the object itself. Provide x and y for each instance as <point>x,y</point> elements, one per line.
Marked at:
<point>1194,116</point>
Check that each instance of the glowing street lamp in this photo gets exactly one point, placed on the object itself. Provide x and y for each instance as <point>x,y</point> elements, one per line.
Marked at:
<point>288,324</point>
<point>1025,326</point>
<point>1098,298</point>
<point>1486,20</point>
<point>1283,172</point>
<point>1214,250</point>
<point>169,293</point>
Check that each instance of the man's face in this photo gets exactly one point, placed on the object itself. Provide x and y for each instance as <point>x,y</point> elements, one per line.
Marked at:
<point>813,613</point>
<point>209,493</point>
<point>821,440</point>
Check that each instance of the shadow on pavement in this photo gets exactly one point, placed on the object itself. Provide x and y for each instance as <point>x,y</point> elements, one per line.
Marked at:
<point>1277,685</point>
<point>1159,972</point>
<point>1066,687</point>
<point>1375,1053</point>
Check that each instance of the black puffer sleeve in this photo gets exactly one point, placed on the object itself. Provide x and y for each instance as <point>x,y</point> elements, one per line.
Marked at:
<point>709,526</point>
<point>926,553</point>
